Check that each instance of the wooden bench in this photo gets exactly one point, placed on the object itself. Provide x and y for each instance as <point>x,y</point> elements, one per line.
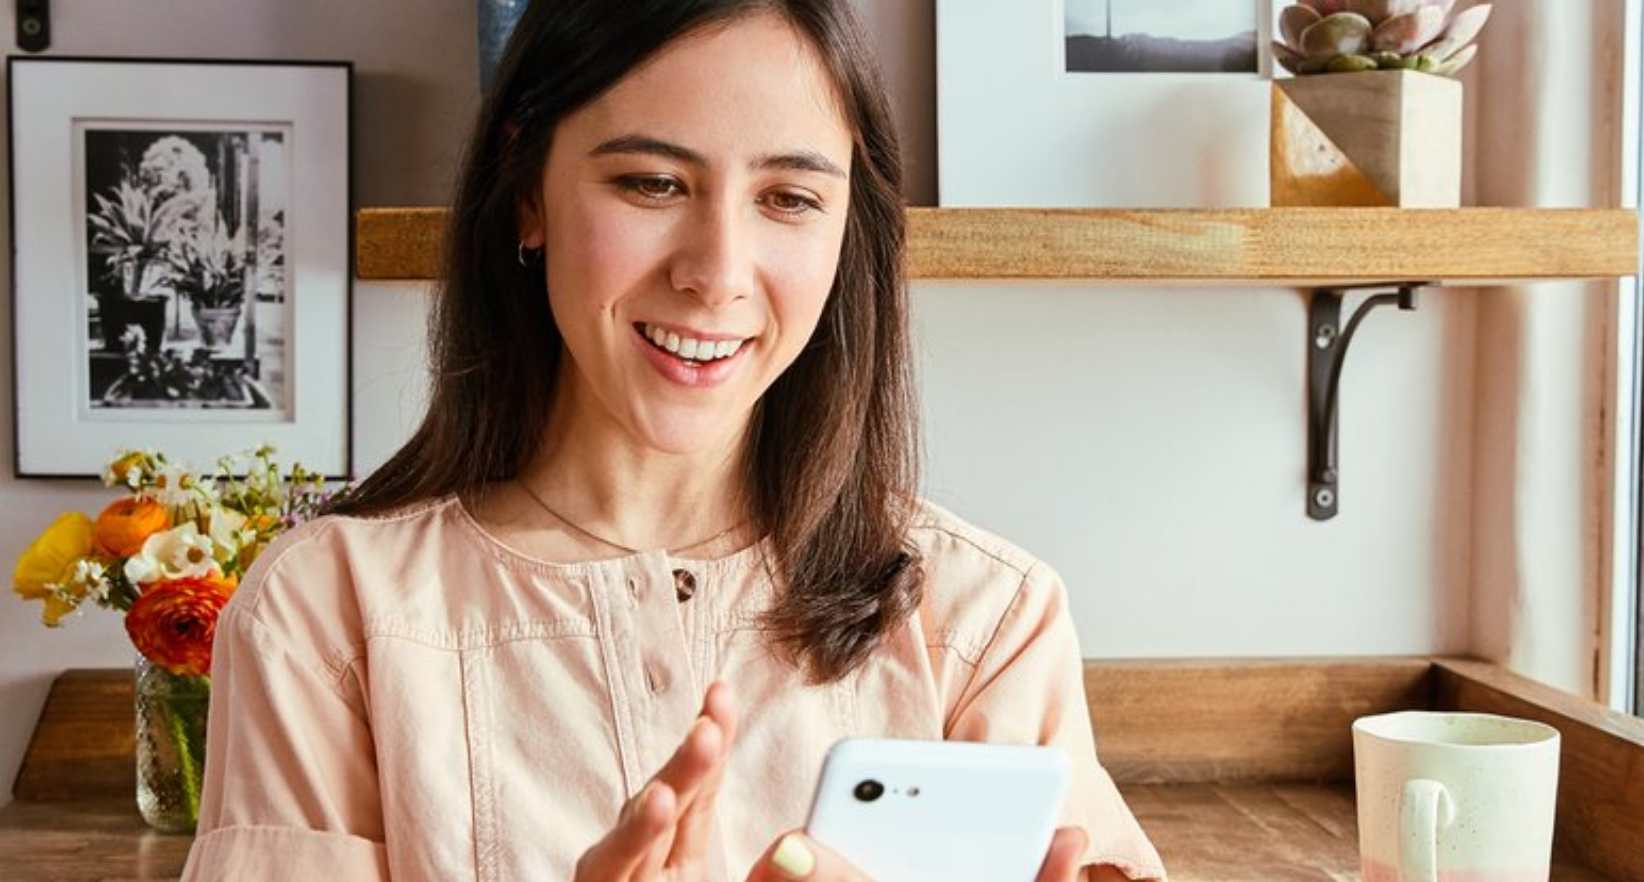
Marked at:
<point>1239,770</point>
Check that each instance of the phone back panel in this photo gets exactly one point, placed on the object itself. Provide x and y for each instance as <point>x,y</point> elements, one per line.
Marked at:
<point>948,812</point>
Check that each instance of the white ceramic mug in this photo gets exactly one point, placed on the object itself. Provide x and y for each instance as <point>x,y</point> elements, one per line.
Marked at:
<point>1450,797</point>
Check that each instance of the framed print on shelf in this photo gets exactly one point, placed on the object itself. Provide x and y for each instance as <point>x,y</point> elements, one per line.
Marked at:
<point>181,273</point>
<point>1102,103</point>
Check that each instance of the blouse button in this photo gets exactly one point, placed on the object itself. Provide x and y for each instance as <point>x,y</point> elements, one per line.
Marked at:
<point>656,679</point>
<point>684,585</point>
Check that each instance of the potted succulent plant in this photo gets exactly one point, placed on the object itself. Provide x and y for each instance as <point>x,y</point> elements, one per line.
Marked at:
<point>208,267</point>
<point>1371,115</point>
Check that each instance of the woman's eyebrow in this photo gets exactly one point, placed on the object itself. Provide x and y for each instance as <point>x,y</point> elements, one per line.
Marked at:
<point>801,160</point>
<point>648,146</point>
<point>798,160</point>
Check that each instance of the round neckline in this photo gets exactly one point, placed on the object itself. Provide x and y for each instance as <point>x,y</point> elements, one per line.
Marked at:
<point>736,560</point>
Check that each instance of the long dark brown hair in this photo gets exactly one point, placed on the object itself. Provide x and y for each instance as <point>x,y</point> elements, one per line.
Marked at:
<point>831,457</point>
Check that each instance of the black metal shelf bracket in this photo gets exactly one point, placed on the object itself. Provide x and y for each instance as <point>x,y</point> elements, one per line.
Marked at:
<point>1326,353</point>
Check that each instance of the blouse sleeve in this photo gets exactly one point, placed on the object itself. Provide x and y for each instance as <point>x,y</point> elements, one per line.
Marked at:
<point>290,787</point>
<point>1027,688</point>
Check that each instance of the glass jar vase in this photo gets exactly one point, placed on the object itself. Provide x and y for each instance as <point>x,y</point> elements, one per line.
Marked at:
<point>171,736</point>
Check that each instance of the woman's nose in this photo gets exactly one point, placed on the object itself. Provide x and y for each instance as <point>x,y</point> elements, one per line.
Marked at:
<point>715,259</point>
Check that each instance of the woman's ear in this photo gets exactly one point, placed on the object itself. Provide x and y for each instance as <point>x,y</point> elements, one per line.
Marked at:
<point>528,221</point>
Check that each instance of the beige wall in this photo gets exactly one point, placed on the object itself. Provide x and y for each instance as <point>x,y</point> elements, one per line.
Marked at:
<point>1546,401</point>
<point>1147,443</point>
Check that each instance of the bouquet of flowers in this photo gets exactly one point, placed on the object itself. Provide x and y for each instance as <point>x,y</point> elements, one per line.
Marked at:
<point>167,555</point>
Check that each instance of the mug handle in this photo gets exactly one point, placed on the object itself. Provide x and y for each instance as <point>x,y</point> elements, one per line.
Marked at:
<point>1425,809</point>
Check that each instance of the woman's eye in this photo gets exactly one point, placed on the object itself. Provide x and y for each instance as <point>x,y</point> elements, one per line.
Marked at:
<point>653,187</point>
<point>791,203</point>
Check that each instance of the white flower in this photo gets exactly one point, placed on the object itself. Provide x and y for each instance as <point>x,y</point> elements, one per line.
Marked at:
<point>91,578</point>
<point>89,581</point>
<point>208,491</point>
<point>174,485</point>
<point>227,533</point>
<point>178,553</point>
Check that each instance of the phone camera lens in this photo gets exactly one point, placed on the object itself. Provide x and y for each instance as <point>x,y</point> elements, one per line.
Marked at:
<point>869,790</point>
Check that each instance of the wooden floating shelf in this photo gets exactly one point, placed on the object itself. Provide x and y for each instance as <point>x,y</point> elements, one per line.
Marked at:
<point>1291,247</point>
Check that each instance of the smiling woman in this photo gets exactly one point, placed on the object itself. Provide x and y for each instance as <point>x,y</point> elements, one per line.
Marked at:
<point>706,234</point>
<point>656,546</point>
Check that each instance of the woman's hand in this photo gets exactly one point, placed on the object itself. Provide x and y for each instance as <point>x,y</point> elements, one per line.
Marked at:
<point>663,831</point>
<point>1062,860</point>
<point>795,857</point>
<point>798,858</point>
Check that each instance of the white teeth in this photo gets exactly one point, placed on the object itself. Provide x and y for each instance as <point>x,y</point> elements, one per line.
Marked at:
<point>689,348</point>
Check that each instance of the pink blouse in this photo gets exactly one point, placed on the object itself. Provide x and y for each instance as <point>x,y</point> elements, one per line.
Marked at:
<point>409,698</point>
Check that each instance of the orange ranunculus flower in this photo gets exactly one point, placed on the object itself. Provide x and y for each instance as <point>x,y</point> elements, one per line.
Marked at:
<point>127,523</point>
<point>173,622</point>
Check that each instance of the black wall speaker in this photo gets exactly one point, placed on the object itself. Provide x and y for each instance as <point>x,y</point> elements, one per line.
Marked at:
<point>33,25</point>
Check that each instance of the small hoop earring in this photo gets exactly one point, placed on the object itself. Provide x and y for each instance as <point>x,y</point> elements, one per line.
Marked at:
<point>527,257</point>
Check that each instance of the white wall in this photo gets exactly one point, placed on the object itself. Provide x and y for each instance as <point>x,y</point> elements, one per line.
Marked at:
<point>415,87</point>
<point>1148,443</point>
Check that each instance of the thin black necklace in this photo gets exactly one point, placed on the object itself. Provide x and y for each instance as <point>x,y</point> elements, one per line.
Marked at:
<point>618,545</point>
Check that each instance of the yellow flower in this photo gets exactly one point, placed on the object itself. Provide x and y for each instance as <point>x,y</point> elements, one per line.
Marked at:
<point>49,562</point>
<point>87,581</point>
<point>126,470</point>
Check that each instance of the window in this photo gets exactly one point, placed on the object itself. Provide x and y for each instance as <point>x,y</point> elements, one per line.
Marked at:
<point>1628,639</point>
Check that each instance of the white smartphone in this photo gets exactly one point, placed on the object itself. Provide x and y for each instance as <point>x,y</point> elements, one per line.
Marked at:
<point>939,811</point>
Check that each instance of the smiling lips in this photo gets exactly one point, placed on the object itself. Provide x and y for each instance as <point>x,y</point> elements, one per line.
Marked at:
<point>690,349</point>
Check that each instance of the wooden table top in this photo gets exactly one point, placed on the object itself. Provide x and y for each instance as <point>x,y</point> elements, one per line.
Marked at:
<point>102,840</point>
<point>1206,833</point>
<point>1210,794</point>
<point>1264,832</point>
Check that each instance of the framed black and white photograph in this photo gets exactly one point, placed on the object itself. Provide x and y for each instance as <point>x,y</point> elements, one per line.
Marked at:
<point>181,273</point>
<point>1102,103</point>
<point>1146,36</point>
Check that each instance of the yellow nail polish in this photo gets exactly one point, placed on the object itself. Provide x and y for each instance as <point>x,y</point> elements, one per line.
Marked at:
<point>793,858</point>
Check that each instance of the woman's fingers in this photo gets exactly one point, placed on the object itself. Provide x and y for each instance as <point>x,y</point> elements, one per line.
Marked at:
<point>719,706</point>
<point>1062,860</point>
<point>798,858</point>
<point>641,831</point>
<point>667,823</point>
<point>704,746</point>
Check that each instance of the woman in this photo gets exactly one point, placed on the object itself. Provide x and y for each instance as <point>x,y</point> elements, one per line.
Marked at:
<point>669,452</point>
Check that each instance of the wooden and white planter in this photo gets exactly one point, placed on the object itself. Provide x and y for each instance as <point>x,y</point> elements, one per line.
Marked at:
<point>1389,138</point>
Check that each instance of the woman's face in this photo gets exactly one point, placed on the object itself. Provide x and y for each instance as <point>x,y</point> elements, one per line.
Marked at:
<point>692,218</point>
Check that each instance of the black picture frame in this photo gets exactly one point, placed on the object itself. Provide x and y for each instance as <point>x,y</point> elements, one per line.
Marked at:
<point>182,260</point>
